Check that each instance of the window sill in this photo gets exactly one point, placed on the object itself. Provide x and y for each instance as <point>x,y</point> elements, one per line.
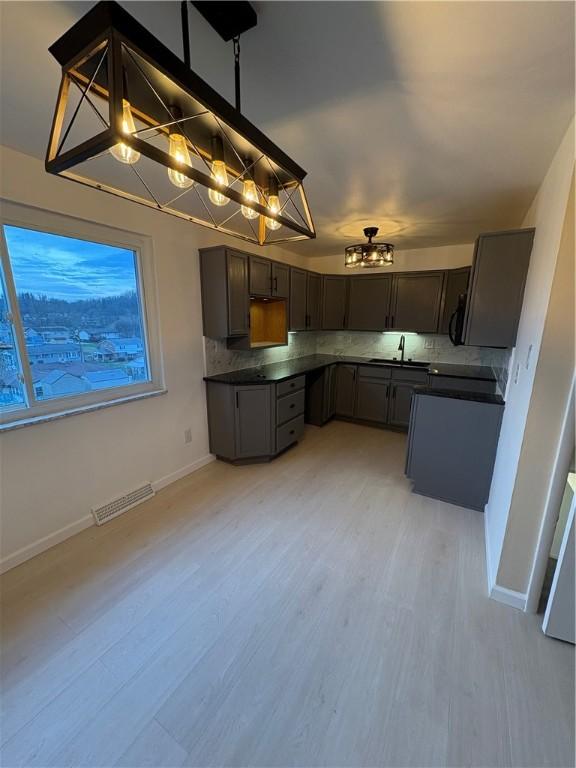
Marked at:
<point>55,416</point>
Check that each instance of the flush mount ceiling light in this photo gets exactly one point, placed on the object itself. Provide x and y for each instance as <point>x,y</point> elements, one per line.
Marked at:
<point>369,254</point>
<point>133,120</point>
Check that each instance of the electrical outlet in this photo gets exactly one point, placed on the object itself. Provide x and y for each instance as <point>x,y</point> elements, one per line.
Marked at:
<point>516,372</point>
<point>528,356</point>
<point>188,435</point>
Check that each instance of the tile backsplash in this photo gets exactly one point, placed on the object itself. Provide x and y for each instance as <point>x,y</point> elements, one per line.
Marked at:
<point>432,348</point>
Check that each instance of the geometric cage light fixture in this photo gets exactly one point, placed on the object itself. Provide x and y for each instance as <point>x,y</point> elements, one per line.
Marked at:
<point>134,120</point>
<point>369,254</point>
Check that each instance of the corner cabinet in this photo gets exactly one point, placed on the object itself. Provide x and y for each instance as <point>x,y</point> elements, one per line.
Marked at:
<point>225,297</point>
<point>455,283</point>
<point>254,422</point>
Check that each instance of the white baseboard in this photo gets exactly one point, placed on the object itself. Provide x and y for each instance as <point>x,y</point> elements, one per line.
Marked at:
<point>46,542</point>
<point>496,592</point>
<point>509,597</point>
<point>182,472</point>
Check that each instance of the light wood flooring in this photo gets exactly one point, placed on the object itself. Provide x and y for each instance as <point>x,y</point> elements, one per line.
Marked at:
<point>307,612</point>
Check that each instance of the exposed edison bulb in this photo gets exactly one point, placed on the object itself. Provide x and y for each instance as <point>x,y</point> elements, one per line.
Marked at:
<point>122,152</point>
<point>250,194</point>
<point>273,207</point>
<point>179,151</point>
<point>221,178</point>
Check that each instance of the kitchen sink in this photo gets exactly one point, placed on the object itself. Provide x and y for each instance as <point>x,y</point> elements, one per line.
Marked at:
<point>405,364</point>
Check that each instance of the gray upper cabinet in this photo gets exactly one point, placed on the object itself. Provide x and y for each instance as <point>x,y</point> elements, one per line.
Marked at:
<point>260,277</point>
<point>280,280</point>
<point>456,282</point>
<point>416,299</point>
<point>345,390</point>
<point>496,292</point>
<point>314,302</point>
<point>334,295</point>
<point>298,291</point>
<point>225,299</point>
<point>369,300</point>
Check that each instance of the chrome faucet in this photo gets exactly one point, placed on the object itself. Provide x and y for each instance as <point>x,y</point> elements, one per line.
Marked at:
<point>401,347</point>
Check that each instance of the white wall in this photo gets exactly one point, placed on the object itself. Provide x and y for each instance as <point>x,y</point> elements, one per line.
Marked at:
<point>442,257</point>
<point>52,474</point>
<point>509,566</point>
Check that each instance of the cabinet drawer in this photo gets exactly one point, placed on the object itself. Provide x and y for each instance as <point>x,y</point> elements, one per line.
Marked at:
<point>466,385</point>
<point>289,433</point>
<point>373,372</point>
<point>409,374</point>
<point>290,406</point>
<point>290,386</point>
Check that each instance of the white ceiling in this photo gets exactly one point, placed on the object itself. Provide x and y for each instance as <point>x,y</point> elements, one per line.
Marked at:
<point>432,120</point>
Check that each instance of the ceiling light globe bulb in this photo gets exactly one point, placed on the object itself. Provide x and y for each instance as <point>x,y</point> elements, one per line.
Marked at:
<point>249,192</point>
<point>122,152</point>
<point>178,151</point>
<point>221,178</point>
<point>273,207</point>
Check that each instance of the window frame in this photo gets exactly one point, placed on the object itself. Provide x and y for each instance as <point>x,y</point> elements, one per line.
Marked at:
<point>33,410</point>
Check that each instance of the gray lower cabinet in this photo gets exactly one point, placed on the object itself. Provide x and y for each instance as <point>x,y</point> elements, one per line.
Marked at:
<point>298,291</point>
<point>455,283</point>
<point>321,395</point>
<point>345,390</point>
<point>416,300</point>
<point>499,271</point>
<point>254,422</point>
<point>368,303</point>
<point>280,280</point>
<point>452,448</point>
<point>225,298</point>
<point>260,277</point>
<point>372,400</point>
<point>334,298</point>
<point>241,420</point>
<point>399,408</point>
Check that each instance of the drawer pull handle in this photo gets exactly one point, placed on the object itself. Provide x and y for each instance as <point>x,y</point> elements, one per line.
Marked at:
<point>292,405</point>
<point>291,431</point>
<point>292,385</point>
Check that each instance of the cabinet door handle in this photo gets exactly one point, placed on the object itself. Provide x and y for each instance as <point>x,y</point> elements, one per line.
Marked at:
<point>391,321</point>
<point>343,321</point>
<point>237,400</point>
<point>248,316</point>
<point>386,322</point>
<point>354,373</point>
<point>387,390</point>
<point>275,285</point>
<point>393,393</point>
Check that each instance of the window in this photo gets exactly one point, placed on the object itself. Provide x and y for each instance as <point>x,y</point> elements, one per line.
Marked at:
<point>74,325</point>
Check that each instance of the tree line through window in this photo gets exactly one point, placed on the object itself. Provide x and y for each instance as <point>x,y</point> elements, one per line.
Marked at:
<point>71,318</point>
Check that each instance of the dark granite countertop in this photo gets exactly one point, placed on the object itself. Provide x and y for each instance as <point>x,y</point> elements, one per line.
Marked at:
<point>458,394</point>
<point>287,369</point>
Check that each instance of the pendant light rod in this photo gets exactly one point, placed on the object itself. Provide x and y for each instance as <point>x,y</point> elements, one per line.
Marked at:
<point>185,32</point>
<point>236,41</point>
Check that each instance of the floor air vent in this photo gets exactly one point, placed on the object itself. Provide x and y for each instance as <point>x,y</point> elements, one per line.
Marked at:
<point>118,506</point>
